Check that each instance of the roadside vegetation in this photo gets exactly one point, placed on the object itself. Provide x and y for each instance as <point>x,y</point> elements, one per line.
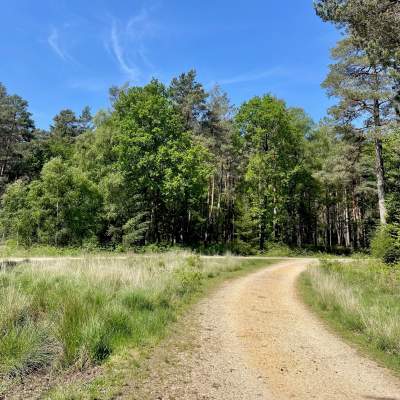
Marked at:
<point>71,315</point>
<point>361,300</point>
<point>10,249</point>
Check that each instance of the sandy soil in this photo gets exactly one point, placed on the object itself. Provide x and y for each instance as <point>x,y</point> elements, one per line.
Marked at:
<point>254,339</point>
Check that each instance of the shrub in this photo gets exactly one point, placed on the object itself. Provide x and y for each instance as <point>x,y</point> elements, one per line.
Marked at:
<point>386,243</point>
<point>60,208</point>
<point>189,277</point>
<point>241,248</point>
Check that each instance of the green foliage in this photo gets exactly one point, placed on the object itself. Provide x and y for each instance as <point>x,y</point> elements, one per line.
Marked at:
<point>59,209</point>
<point>242,248</point>
<point>366,75</point>
<point>273,139</point>
<point>11,248</point>
<point>15,217</point>
<point>135,229</point>
<point>358,84</point>
<point>67,125</point>
<point>392,163</point>
<point>373,25</point>
<point>189,98</point>
<point>16,128</point>
<point>386,243</point>
<point>158,160</point>
<point>177,166</point>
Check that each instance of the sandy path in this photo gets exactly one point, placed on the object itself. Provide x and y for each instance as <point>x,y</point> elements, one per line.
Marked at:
<point>254,339</point>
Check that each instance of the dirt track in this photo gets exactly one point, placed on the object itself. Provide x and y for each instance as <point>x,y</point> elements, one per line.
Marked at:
<point>254,339</point>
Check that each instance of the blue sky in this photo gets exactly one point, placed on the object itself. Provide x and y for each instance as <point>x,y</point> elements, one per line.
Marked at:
<point>67,53</point>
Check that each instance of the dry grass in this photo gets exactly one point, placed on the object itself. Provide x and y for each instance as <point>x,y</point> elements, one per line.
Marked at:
<point>361,298</point>
<point>65,313</point>
<point>333,292</point>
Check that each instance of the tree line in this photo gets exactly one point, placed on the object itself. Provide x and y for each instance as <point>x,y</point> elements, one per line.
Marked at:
<point>179,165</point>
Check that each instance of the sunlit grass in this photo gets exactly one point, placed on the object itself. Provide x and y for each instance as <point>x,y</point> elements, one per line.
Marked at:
<point>65,313</point>
<point>362,299</point>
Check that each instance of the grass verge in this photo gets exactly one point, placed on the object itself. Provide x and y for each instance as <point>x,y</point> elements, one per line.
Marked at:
<point>66,317</point>
<point>10,248</point>
<point>360,301</point>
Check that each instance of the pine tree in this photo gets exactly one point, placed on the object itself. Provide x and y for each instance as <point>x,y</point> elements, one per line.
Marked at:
<point>365,96</point>
<point>16,128</point>
<point>189,98</point>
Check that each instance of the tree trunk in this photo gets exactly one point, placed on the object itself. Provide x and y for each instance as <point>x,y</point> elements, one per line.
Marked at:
<point>380,179</point>
<point>346,221</point>
<point>379,165</point>
<point>212,198</point>
<point>262,235</point>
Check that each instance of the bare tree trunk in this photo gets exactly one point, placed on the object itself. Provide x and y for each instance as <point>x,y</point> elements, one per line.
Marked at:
<point>379,165</point>
<point>299,241</point>
<point>356,220</point>
<point>338,225</point>
<point>6,152</point>
<point>346,222</point>
<point>380,179</point>
<point>212,197</point>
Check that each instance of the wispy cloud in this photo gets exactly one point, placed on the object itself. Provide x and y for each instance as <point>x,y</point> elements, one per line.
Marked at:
<point>127,42</point>
<point>119,53</point>
<point>253,76</point>
<point>54,42</point>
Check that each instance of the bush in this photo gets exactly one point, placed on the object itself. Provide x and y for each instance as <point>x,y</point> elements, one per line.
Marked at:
<point>60,208</point>
<point>393,207</point>
<point>386,244</point>
<point>241,248</point>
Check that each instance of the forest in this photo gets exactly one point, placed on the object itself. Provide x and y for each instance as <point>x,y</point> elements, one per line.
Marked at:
<point>178,165</point>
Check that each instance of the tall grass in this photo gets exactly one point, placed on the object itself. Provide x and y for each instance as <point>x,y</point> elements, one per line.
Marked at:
<point>11,248</point>
<point>76,313</point>
<point>363,299</point>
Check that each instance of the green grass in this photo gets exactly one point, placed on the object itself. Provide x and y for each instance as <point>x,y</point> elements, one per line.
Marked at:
<point>273,249</point>
<point>65,314</point>
<point>361,301</point>
<point>12,249</point>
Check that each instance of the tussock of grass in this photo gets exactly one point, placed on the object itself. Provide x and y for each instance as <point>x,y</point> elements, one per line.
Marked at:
<point>76,313</point>
<point>362,299</point>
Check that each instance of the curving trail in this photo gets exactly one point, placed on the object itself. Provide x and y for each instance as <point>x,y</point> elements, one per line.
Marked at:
<point>254,339</point>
